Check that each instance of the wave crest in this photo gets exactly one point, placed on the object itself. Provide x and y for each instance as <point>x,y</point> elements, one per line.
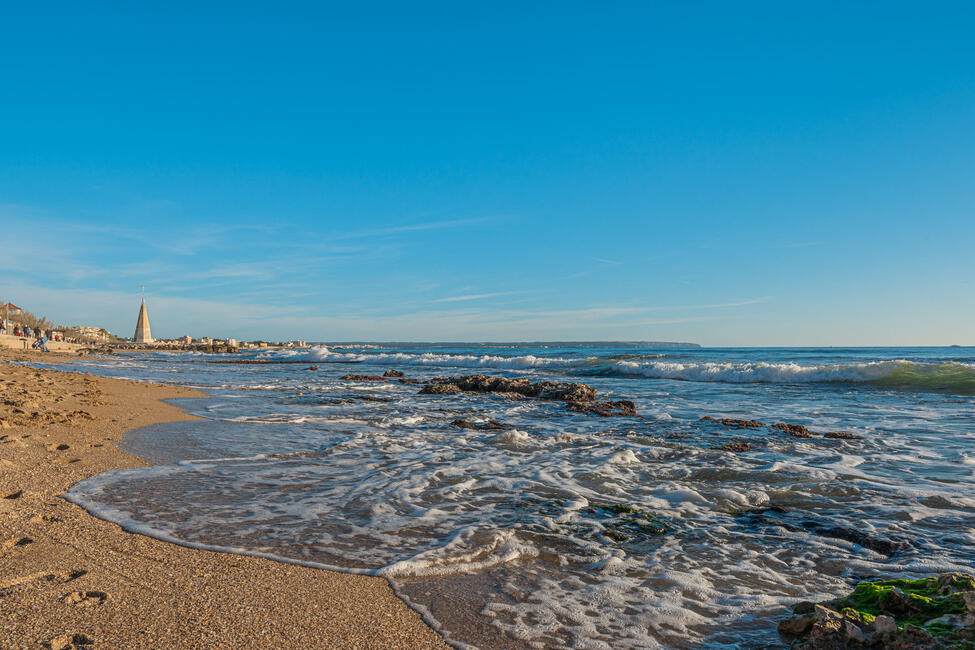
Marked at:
<point>956,377</point>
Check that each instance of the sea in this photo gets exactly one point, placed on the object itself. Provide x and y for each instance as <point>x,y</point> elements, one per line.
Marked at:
<point>548,528</point>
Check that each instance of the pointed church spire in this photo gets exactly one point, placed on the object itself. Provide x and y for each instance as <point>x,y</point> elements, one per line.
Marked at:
<point>142,332</point>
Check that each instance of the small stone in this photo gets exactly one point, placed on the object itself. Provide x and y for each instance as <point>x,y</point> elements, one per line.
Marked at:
<point>797,625</point>
<point>70,642</point>
<point>947,619</point>
<point>842,435</point>
<point>804,607</point>
<point>392,373</point>
<point>796,430</point>
<point>884,625</point>
<point>853,631</point>
<point>736,447</point>
<point>916,634</point>
<point>827,630</point>
<point>969,597</point>
<point>826,615</point>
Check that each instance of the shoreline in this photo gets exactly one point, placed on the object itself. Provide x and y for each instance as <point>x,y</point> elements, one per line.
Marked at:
<point>70,579</point>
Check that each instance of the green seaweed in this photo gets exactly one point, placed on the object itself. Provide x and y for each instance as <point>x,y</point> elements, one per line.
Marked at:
<point>911,602</point>
<point>641,520</point>
<point>623,509</point>
<point>857,616</point>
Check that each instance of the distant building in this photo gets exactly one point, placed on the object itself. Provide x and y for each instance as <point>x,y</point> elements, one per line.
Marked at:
<point>94,334</point>
<point>12,309</point>
<point>204,340</point>
<point>185,340</point>
<point>232,342</point>
<point>142,332</point>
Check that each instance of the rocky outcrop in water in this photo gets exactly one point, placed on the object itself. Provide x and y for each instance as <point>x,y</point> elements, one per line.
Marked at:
<point>440,389</point>
<point>362,378</point>
<point>580,398</point>
<point>605,409</point>
<point>794,430</point>
<point>736,447</point>
<point>392,373</point>
<point>737,424</point>
<point>622,522</point>
<point>936,612</point>
<point>490,424</point>
<point>779,517</point>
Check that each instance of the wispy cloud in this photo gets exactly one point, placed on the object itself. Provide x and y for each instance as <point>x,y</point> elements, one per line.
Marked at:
<point>478,296</point>
<point>414,227</point>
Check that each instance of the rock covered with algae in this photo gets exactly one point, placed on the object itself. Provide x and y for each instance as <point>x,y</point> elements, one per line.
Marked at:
<point>935,612</point>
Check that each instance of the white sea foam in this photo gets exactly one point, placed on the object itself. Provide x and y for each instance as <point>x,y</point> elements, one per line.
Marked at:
<point>899,372</point>
<point>466,552</point>
<point>514,437</point>
<point>444,360</point>
<point>391,486</point>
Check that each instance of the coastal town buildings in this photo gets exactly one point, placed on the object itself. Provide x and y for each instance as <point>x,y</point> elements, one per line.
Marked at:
<point>94,334</point>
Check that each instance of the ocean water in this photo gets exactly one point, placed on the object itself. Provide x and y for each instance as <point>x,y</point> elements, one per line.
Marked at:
<point>569,530</point>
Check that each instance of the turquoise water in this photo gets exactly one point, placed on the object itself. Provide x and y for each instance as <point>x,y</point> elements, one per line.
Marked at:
<point>513,538</point>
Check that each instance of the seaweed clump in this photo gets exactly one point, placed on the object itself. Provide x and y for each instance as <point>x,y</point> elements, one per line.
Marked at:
<point>935,612</point>
<point>631,521</point>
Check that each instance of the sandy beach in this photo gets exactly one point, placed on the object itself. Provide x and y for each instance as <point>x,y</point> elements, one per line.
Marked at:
<point>68,579</point>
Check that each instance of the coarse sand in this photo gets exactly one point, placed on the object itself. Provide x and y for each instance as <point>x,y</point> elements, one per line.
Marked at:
<point>71,580</point>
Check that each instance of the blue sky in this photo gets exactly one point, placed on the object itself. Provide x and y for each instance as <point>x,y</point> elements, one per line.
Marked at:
<point>725,173</point>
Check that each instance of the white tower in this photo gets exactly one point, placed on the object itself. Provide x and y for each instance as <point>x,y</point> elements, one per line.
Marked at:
<point>142,332</point>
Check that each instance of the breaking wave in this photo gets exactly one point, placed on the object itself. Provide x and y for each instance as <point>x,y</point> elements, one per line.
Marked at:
<point>434,359</point>
<point>954,377</point>
<point>901,373</point>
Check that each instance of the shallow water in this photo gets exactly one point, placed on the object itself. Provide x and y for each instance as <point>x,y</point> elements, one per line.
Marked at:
<point>511,538</point>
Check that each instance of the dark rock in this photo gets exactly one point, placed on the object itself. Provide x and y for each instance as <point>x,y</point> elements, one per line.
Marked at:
<point>408,381</point>
<point>737,424</point>
<point>736,447</point>
<point>363,378</point>
<point>797,625</point>
<point>542,390</point>
<point>392,373</point>
<point>884,625</point>
<point>796,430</point>
<point>758,516</point>
<point>312,368</point>
<point>605,409</point>
<point>804,607</point>
<point>878,544</point>
<point>843,435</point>
<point>572,392</point>
<point>579,397</point>
<point>371,398</point>
<point>490,424</point>
<point>439,389</point>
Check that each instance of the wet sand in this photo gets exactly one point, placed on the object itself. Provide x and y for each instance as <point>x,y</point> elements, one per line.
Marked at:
<point>68,579</point>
